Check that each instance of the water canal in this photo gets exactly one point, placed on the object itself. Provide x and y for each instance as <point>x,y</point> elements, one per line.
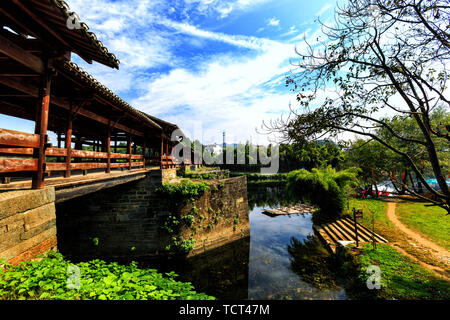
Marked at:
<point>282,259</point>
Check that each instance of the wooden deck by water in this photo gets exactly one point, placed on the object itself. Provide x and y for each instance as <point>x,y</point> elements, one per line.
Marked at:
<point>297,209</point>
<point>343,231</point>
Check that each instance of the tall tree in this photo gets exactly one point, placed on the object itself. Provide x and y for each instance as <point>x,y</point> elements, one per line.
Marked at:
<point>381,58</point>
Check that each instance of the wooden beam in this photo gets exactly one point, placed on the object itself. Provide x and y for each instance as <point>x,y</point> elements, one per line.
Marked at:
<point>41,23</point>
<point>63,103</point>
<point>17,21</point>
<point>15,52</point>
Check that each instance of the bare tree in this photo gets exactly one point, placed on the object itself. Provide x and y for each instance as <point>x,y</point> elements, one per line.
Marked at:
<point>382,58</point>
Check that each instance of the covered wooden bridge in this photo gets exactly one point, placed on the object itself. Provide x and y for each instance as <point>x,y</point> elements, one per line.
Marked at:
<point>96,130</point>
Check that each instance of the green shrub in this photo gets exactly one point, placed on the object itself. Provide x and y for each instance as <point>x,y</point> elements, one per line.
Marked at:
<point>186,189</point>
<point>98,280</point>
<point>324,188</point>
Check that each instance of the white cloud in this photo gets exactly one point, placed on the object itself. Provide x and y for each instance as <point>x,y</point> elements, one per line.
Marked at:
<point>229,92</point>
<point>324,9</point>
<point>236,40</point>
<point>273,22</point>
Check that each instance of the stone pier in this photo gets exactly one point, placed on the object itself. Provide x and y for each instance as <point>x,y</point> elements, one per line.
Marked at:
<point>27,224</point>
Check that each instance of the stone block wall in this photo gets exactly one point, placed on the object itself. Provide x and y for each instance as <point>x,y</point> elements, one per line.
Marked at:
<point>125,222</point>
<point>27,224</point>
<point>119,222</point>
<point>225,210</point>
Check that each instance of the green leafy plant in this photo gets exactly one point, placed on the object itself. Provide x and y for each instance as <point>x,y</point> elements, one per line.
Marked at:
<point>99,280</point>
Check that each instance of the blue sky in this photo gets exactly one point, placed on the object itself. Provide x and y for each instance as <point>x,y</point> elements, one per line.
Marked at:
<point>207,65</point>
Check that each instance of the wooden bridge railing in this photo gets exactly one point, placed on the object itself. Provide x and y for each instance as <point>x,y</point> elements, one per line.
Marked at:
<point>18,144</point>
<point>17,156</point>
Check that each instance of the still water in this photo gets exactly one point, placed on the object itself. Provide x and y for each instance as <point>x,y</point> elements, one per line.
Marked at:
<point>282,259</point>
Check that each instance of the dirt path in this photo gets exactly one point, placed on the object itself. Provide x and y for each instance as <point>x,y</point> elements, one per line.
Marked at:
<point>435,250</point>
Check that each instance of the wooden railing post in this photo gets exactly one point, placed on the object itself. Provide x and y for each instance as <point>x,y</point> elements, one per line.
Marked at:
<point>167,155</point>
<point>162,151</point>
<point>144,151</point>
<point>68,143</point>
<point>129,151</point>
<point>108,150</point>
<point>41,126</point>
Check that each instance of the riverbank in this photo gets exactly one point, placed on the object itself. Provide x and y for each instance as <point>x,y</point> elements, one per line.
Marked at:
<point>386,274</point>
<point>263,180</point>
<point>407,271</point>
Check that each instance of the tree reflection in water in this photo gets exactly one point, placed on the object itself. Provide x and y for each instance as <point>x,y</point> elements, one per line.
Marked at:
<point>271,197</point>
<point>313,263</point>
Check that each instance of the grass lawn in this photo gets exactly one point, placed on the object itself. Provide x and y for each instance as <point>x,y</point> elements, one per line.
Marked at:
<point>432,222</point>
<point>401,277</point>
<point>371,207</point>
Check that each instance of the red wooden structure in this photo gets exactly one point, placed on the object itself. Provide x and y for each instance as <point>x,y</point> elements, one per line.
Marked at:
<point>39,82</point>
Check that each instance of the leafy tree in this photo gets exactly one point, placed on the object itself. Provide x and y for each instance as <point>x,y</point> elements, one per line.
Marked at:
<point>380,164</point>
<point>371,157</point>
<point>325,188</point>
<point>381,58</point>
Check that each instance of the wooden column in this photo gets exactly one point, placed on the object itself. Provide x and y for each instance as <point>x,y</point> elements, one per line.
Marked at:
<point>167,155</point>
<point>108,150</point>
<point>162,152</point>
<point>129,151</point>
<point>171,150</point>
<point>41,126</point>
<point>144,148</point>
<point>68,143</point>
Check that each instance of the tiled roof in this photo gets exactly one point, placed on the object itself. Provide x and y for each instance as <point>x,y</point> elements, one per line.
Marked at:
<point>106,93</point>
<point>89,36</point>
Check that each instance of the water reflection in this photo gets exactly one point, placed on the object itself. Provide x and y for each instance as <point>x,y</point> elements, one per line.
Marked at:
<point>268,197</point>
<point>313,263</point>
<point>222,272</point>
<point>282,259</point>
<point>275,259</point>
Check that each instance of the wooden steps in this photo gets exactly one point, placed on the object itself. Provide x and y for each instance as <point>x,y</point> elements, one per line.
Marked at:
<point>343,230</point>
